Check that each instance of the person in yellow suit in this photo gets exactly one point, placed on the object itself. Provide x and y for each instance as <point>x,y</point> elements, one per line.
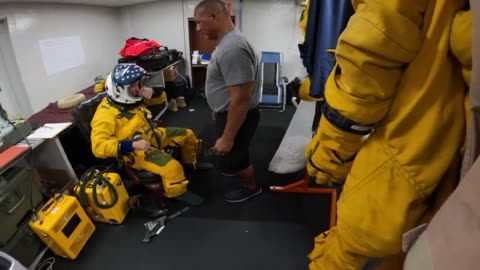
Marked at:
<point>397,81</point>
<point>121,128</point>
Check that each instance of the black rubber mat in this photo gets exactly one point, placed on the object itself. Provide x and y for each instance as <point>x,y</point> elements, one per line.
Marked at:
<point>194,243</point>
<point>270,231</point>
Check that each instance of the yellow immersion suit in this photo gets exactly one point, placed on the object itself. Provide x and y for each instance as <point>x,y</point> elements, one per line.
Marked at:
<point>111,126</point>
<point>394,69</point>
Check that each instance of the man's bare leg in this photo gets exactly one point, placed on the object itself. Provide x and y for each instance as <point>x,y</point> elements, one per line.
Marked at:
<point>248,177</point>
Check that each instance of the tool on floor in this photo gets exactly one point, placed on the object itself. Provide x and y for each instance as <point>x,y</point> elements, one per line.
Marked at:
<point>156,226</point>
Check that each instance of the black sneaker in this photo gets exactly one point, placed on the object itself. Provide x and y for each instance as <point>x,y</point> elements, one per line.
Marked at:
<point>242,194</point>
<point>199,166</point>
<point>203,166</point>
<point>190,198</point>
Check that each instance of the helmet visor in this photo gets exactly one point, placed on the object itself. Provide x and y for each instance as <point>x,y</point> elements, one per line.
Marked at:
<point>135,87</point>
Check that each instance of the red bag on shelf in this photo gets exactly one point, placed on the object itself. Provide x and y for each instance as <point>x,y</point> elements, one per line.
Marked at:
<point>137,47</point>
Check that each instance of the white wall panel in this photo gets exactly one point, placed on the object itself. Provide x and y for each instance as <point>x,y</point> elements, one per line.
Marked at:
<point>99,32</point>
<point>161,21</point>
<point>270,25</point>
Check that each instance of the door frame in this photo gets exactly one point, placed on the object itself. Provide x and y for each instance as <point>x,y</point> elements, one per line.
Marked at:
<point>13,75</point>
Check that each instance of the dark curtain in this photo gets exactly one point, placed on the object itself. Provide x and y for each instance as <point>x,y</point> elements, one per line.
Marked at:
<point>326,20</point>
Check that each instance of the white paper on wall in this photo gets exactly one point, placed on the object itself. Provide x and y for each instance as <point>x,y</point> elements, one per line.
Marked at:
<point>59,54</point>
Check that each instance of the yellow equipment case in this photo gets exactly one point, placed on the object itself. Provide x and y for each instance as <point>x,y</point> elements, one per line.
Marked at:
<point>103,195</point>
<point>63,225</point>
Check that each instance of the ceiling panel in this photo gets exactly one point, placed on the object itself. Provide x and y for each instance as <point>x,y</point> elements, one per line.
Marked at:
<point>108,3</point>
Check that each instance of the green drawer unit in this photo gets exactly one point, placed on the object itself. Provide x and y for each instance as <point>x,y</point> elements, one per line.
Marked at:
<point>17,193</point>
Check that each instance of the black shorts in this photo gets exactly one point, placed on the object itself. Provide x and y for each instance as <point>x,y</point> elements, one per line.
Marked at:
<point>238,158</point>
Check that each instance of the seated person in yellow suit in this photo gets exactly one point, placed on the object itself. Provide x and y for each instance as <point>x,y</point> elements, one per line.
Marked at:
<point>121,129</point>
<point>398,81</point>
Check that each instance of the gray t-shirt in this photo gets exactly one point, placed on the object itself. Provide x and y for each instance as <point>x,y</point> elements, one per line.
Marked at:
<point>233,62</point>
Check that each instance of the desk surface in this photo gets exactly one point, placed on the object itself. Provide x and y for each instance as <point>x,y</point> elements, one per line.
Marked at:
<point>16,152</point>
<point>53,114</point>
<point>200,66</point>
<point>12,154</point>
<point>48,130</point>
<point>19,150</point>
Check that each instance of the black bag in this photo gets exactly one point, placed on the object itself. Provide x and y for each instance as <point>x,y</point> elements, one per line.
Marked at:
<point>292,89</point>
<point>156,61</point>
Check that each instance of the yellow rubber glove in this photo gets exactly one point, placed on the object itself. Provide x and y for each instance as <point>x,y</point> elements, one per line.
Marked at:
<point>304,91</point>
<point>330,153</point>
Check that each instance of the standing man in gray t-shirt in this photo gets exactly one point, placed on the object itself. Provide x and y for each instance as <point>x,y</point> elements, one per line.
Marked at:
<point>232,91</point>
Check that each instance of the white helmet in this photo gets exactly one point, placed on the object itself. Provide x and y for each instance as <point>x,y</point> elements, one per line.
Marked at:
<point>119,81</point>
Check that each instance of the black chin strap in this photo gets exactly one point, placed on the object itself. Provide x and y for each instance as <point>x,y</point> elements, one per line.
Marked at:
<point>122,107</point>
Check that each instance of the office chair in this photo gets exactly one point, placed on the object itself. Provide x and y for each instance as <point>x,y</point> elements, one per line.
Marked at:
<point>273,93</point>
<point>82,117</point>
